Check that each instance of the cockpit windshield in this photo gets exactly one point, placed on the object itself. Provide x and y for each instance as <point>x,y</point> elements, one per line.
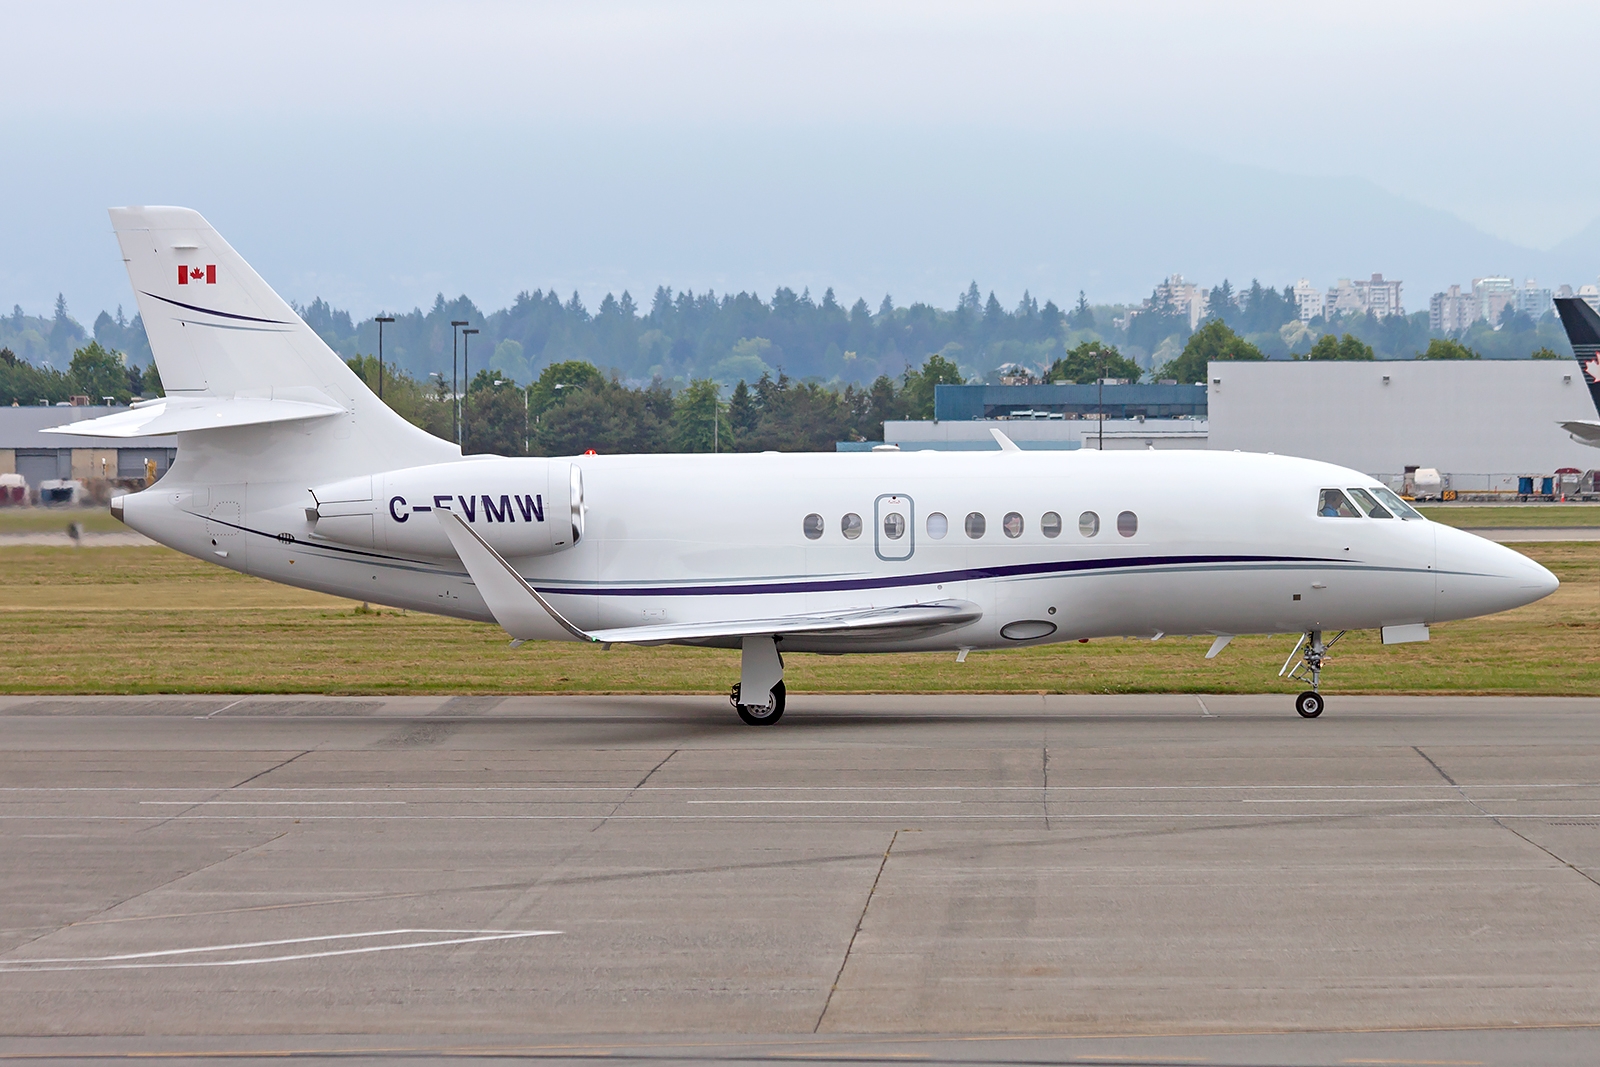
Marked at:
<point>1365,502</point>
<point>1394,503</point>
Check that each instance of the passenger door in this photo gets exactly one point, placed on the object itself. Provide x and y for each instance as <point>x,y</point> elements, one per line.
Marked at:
<point>894,527</point>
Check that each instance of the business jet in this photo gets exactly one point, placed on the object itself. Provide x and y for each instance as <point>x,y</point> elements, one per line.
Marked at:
<point>1582,325</point>
<point>289,469</point>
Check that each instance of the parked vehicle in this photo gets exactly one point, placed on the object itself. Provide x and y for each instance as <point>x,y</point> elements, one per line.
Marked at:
<point>13,489</point>
<point>60,492</point>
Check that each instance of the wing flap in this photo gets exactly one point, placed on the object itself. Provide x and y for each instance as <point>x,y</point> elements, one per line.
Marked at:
<point>933,615</point>
<point>181,414</point>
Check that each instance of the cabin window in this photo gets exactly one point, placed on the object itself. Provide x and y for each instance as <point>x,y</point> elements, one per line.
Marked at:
<point>1012,524</point>
<point>1050,524</point>
<point>1394,503</point>
<point>850,526</point>
<point>1366,503</point>
<point>813,526</point>
<point>1332,504</point>
<point>976,524</point>
<point>894,526</point>
<point>1088,524</point>
<point>938,525</point>
<point>1127,524</point>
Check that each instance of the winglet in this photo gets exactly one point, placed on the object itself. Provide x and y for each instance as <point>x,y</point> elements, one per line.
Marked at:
<point>511,600</point>
<point>1006,443</point>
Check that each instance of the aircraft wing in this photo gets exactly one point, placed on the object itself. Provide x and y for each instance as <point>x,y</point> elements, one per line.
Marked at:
<point>522,611</point>
<point>1585,433</point>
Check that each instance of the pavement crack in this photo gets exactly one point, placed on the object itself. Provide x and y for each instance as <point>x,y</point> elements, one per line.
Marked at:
<point>93,919</point>
<point>269,770</point>
<point>636,787</point>
<point>1044,797</point>
<point>1574,868</point>
<point>1443,775</point>
<point>860,921</point>
<point>200,803</point>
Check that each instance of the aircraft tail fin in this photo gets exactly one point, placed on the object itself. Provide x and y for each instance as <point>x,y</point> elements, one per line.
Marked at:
<point>1582,324</point>
<point>218,330</point>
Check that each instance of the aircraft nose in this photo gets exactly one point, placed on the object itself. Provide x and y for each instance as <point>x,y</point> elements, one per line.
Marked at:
<point>1477,576</point>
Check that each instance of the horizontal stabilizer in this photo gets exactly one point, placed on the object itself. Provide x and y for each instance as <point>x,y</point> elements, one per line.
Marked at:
<point>180,414</point>
<point>1585,433</point>
<point>521,611</point>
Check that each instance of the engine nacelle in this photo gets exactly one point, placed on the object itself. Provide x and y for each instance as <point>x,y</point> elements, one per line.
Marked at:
<point>522,507</point>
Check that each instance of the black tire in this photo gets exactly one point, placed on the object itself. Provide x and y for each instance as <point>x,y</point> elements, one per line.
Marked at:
<point>764,716</point>
<point>1309,704</point>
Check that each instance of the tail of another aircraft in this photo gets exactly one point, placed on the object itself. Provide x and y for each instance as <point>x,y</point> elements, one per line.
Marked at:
<point>1583,331</point>
<point>234,355</point>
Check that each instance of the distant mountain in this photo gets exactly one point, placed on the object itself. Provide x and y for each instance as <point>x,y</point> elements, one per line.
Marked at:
<point>366,221</point>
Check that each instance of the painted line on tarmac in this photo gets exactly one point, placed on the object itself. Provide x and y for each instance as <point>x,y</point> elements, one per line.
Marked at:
<point>158,958</point>
<point>820,818</point>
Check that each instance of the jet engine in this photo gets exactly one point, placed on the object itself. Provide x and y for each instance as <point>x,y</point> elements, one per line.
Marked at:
<point>521,507</point>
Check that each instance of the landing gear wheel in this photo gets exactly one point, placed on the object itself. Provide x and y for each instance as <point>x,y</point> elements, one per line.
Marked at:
<point>761,716</point>
<point>1308,704</point>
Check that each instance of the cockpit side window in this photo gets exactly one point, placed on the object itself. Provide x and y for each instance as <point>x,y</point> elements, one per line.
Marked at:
<point>1394,503</point>
<point>1333,504</point>
<point>1365,502</point>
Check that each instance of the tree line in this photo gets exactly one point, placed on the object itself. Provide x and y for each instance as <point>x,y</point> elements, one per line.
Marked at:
<point>573,406</point>
<point>92,371</point>
<point>683,337</point>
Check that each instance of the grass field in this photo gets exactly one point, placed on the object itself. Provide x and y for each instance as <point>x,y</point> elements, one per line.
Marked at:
<point>1507,516</point>
<point>55,520</point>
<point>149,620</point>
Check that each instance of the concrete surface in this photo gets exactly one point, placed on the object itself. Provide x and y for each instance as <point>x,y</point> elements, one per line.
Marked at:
<point>1181,879</point>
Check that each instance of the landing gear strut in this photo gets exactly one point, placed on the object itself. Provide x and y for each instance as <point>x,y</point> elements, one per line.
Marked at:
<point>760,675</point>
<point>1313,654</point>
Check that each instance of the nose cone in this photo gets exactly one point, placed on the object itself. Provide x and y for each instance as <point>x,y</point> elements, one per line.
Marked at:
<point>1479,577</point>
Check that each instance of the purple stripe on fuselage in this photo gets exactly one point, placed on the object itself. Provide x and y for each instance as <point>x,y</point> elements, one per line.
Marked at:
<point>894,581</point>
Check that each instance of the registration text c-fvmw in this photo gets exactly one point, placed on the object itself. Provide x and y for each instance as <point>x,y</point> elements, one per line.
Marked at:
<point>288,468</point>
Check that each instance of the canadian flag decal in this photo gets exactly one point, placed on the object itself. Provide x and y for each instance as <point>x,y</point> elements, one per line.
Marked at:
<point>206,274</point>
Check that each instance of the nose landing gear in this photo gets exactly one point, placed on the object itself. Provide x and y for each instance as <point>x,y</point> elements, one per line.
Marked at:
<point>1313,654</point>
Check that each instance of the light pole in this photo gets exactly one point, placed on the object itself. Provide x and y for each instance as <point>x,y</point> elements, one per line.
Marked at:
<point>466,384</point>
<point>455,397</point>
<point>1102,400</point>
<point>380,320</point>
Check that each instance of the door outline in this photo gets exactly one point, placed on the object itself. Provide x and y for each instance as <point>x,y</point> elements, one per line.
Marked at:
<point>878,540</point>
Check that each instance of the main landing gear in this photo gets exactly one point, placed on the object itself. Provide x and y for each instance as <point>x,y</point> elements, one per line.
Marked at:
<point>760,674</point>
<point>1313,655</point>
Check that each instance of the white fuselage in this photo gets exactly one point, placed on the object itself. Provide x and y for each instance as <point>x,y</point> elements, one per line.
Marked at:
<point>1224,543</point>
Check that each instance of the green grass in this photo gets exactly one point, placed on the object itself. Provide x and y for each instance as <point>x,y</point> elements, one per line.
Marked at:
<point>149,620</point>
<point>1504,516</point>
<point>15,520</point>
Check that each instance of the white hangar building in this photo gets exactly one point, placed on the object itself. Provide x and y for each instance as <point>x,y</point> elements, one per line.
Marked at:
<point>1481,423</point>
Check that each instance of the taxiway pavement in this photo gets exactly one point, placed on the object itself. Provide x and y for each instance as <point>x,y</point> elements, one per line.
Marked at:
<point>248,873</point>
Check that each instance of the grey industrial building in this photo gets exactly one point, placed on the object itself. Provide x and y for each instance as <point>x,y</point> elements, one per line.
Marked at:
<point>41,457</point>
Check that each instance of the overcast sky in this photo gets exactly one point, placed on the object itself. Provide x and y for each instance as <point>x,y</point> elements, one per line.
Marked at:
<point>378,153</point>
